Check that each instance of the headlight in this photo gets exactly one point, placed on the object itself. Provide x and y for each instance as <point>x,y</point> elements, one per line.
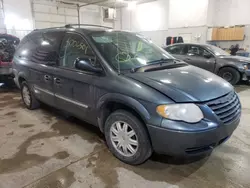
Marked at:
<point>246,66</point>
<point>185,112</point>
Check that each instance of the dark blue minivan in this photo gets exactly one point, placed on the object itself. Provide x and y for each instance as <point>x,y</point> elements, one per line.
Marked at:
<point>140,97</point>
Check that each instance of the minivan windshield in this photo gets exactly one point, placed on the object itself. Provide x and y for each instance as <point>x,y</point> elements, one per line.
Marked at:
<point>217,51</point>
<point>126,51</point>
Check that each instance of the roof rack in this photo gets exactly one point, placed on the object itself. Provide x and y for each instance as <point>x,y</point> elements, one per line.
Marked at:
<point>72,25</point>
<point>49,28</point>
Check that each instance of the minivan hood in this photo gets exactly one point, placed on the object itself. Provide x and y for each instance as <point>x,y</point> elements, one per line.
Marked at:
<point>185,84</point>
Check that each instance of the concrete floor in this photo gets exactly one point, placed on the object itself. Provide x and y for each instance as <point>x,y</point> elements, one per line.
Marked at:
<point>42,149</point>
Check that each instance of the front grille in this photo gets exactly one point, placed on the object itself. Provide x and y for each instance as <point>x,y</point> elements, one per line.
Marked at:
<point>227,107</point>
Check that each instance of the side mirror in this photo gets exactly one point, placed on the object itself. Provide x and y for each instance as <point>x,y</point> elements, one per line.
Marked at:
<point>84,64</point>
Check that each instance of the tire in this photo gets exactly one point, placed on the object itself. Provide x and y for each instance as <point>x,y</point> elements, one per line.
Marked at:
<point>143,150</point>
<point>230,74</point>
<point>34,103</point>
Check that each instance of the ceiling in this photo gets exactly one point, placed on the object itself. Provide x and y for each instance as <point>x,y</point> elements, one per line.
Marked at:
<point>107,3</point>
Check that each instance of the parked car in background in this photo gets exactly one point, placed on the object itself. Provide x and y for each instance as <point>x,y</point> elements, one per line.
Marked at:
<point>8,44</point>
<point>140,97</point>
<point>211,58</point>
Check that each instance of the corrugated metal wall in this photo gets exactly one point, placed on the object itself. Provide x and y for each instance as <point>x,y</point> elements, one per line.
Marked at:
<point>52,14</point>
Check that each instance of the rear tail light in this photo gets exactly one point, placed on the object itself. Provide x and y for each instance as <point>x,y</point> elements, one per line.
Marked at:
<point>2,63</point>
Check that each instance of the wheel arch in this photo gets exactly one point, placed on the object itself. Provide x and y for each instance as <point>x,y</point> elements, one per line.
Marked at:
<point>21,78</point>
<point>111,102</point>
<point>228,66</point>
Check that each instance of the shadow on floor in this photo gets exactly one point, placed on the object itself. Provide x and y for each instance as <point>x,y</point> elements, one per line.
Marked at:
<point>8,86</point>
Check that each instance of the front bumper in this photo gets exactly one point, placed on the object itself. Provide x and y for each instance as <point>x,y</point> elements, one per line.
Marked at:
<point>246,75</point>
<point>189,143</point>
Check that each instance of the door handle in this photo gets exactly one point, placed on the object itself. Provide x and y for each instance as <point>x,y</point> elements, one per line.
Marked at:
<point>47,78</point>
<point>187,59</point>
<point>57,81</point>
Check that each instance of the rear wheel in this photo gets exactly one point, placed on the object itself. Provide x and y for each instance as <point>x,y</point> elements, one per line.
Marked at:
<point>230,74</point>
<point>127,138</point>
<point>28,97</point>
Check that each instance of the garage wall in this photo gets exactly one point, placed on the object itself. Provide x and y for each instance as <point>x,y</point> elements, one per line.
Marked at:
<point>146,17</point>
<point>189,18</point>
<point>52,14</point>
<point>2,26</point>
<point>191,13</point>
<point>18,17</point>
<point>93,14</point>
<point>22,16</point>
<point>163,18</point>
<point>229,12</point>
<point>190,34</point>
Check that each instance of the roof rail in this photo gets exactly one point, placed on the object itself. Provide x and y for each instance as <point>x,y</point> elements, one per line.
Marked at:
<point>72,25</point>
<point>49,28</point>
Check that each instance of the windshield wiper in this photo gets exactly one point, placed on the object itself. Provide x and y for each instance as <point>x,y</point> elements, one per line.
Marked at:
<point>162,60</point>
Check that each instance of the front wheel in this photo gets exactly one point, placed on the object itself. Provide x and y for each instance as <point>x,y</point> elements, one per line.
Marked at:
<point>230,74</point>
<point>127,138</point>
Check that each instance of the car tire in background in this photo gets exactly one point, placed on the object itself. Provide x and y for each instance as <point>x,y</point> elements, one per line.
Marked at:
<point>230,74</point>
<point>28,97</point>
<point>127,138</point>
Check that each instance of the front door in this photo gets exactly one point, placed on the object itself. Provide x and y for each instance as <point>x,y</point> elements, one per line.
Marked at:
<point>197,56</point>
<point>74,89</point>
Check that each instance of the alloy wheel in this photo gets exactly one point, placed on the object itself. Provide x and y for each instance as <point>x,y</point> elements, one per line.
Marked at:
<point>227,76</point>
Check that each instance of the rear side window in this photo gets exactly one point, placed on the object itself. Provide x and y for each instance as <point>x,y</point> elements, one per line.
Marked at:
<point>22,49</point>
<point>41,47</point>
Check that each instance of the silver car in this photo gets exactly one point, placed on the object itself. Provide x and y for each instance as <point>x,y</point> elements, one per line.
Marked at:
<point>231,68</point>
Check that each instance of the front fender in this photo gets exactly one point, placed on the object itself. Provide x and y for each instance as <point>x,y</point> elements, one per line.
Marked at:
<point>123,99</point>
<point>126,100</point>
<point>224,63</point>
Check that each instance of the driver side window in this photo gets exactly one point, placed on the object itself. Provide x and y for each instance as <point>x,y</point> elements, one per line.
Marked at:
<point>74,46</point>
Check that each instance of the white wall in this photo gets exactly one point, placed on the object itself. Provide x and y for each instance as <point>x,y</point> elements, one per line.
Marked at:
<point>164,14</point>
<point>160,19</point>
<point>188,17</point>
<point>151,16</point>
<point>49,13</point>
<point>52,14</point>
<point>190,34</point>
<point>150,19</point>
<point>2,25</point>
<point>18,17</point>
<point>93,14</point>
<point>22,16</point>
<point>230,12</point>
<point>184,13</point>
